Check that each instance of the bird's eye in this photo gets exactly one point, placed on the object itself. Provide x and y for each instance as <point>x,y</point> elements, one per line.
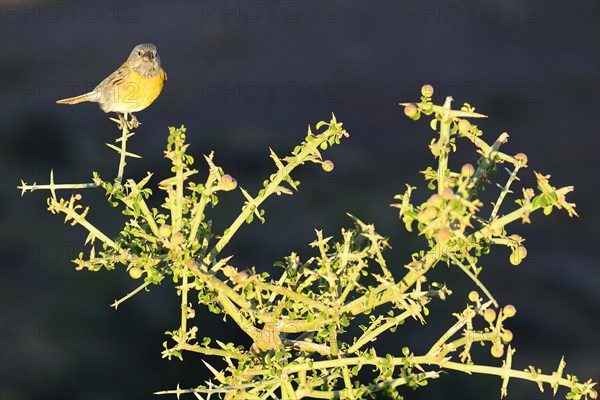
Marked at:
<point>140,53</point>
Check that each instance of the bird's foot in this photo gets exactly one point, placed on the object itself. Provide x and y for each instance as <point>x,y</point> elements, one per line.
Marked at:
<point>125,123</point>
<point>133,122</point>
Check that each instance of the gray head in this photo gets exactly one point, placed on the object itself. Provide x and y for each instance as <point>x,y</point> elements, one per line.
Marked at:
<point>144,60</point>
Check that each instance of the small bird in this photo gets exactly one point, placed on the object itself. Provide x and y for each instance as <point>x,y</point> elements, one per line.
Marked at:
<point>131,88</point>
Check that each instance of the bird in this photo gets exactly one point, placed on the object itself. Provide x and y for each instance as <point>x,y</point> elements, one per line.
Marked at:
<point>131,88</point>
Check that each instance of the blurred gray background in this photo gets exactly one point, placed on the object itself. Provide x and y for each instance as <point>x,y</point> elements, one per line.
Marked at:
<point>244,76</point>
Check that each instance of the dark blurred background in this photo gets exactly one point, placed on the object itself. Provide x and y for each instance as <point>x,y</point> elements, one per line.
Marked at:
<point>244,76</point>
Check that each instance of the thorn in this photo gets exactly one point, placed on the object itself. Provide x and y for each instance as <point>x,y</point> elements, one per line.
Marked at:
<point>23,187</point>
<point>52,190</point>
<point>126,136</point>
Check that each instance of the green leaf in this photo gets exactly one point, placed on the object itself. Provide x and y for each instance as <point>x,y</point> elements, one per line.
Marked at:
<point>433,124</point>
<point>408,220</point>
<point>320,124</point>
<point>544,200</point>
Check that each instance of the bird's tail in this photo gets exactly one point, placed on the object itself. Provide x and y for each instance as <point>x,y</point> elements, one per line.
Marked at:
<point>91,96</point>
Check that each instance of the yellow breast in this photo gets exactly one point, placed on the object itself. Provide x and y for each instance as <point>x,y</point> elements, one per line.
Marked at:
<point>137,92</point>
